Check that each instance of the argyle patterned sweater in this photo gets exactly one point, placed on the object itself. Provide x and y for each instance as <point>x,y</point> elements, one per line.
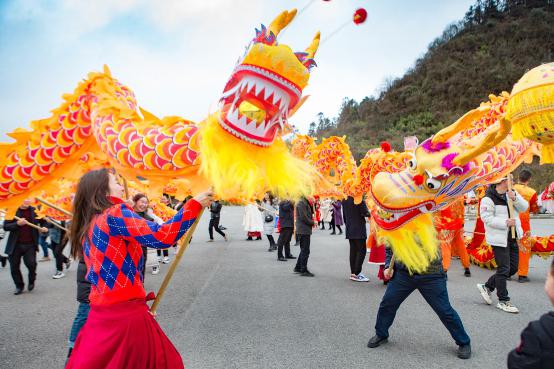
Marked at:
<point>113,252</point>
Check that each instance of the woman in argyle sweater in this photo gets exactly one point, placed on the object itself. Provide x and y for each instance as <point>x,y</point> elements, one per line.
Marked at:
<point>120,331</point>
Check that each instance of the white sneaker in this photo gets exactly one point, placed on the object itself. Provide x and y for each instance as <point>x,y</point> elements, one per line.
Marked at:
<point>362,278</point>
<point>58,275</point>
<point>165,260</point>
<point>507,307</point>
<point>485,293</point>
<point>155,270</point>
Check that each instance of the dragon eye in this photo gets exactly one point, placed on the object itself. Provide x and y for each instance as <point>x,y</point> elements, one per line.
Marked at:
<point>432,183</point>
<point>412,163</point>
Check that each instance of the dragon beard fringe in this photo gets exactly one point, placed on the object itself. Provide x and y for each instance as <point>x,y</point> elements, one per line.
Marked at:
<point>240,170</point>
<point>415,244</point>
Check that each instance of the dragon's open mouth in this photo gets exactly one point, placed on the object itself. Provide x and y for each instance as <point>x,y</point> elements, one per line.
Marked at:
<point>389,218</point>
<point>255,104</point>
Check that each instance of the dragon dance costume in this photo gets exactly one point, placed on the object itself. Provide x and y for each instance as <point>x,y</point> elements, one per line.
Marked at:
<point>449,223</point>
<point>120,331</point>
<point>530,196</point>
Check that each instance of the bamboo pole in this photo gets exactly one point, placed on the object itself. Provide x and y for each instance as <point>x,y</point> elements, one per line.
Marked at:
<point>39,228</point>
<point>49,204</point>
<point>511,204</point>
<point>56,224</point>
<point>262,208</point>
<point>184,243</point>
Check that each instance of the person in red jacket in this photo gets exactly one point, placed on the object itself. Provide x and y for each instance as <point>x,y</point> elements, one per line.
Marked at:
<point>120,332</point>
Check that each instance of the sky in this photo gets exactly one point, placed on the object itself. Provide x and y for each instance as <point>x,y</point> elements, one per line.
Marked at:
<point>177,55</point>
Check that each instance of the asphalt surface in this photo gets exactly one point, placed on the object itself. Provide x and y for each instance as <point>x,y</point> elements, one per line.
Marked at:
<point>233,305</point>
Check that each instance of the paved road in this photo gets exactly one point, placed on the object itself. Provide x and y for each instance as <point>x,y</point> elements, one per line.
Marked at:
<point>232,305</point>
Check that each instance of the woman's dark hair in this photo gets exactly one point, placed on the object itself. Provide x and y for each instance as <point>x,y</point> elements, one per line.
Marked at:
<point>90,200</point>
<point>270,197</point>
<point>139,196</point>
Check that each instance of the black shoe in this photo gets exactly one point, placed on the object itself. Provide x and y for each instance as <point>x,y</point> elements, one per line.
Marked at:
<point>307,273</point>
<point>332,233</point>
<point>31,286</point>
<point>523,279</point>
<point>290,257</point>
<point>258,239</point>
<point>282,259</point>
<point>249,239</point>
<point>467,273</point>
<point>296,270</point>
<point>377,341</point>
<point>3,260</point>
<point>270,249</point>
<point>464,351</point>
<point>18,291</point>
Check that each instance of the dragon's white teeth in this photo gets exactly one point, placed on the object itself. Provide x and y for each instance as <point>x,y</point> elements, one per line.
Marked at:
<point>267,93</point>
<point>259,88</point>
<point>276,98</point>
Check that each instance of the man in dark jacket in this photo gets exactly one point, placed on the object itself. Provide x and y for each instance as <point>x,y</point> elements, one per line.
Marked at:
<point>536,350</point>
<point>432,286</point>
<point>215,214</point>
<point>304,224</point>
<point>355,221</point>
<point>286,223</point>
<point>23,243</point>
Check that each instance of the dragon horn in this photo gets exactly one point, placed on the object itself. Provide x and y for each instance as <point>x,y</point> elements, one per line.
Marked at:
<point>464,122</point>
<point>493,138</point>
<point>281,21</point>
<point>312,49</point>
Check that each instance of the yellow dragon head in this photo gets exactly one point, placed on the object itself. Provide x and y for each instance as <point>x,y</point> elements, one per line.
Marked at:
<point>266,85</point>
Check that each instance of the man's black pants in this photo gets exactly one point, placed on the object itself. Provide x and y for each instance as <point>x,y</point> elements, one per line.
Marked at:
<point>507,259</point>
<point>302,262</point>
<point>214,223</point>
<point>29,254</point>
<point>284,240</point>
<point>357,255</point>
<point>58,254</point>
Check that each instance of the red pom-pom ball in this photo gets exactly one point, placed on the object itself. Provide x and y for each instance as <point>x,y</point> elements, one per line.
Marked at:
<point>418,179</point>
<point>385,146</point>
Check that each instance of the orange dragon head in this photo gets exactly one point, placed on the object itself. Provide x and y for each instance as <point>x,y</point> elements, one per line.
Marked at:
<point>266,85</point>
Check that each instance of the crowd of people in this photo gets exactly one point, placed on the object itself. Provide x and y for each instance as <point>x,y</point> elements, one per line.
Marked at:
<point>111,238</point>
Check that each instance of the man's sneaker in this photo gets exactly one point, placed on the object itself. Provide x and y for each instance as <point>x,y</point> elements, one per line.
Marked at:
<point>362,278</point>
<point>58,275</point>
<point>165,260</point>
<point>307,273</point>
<point>67,264</point>
<point>485,292</point>
<point>467,272</point>
<point>507,307</point>
<point>523,279</point>
<point>155,270</point>
<point>354,277</point>
<point>464,351</point>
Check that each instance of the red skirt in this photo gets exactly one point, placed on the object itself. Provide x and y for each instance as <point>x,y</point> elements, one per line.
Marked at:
<point>123,335</point>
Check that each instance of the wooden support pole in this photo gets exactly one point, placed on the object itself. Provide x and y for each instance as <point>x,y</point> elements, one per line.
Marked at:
<point>183,244</point>
<point>49,204</point>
